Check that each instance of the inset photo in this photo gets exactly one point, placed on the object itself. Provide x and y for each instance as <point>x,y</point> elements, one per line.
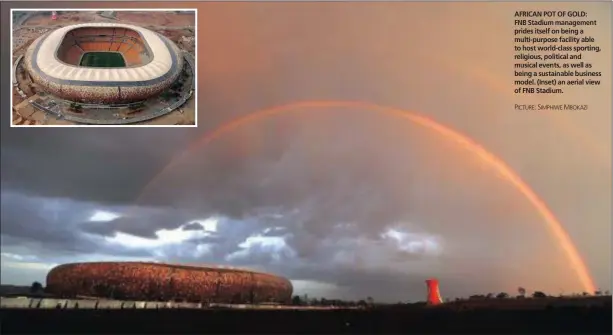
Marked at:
<point>73,67</point>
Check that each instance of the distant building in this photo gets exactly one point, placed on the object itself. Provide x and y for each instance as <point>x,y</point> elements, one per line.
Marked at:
<point>434,296</point>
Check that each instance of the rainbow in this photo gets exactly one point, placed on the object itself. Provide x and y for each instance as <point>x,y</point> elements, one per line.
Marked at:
<point>505,172</point>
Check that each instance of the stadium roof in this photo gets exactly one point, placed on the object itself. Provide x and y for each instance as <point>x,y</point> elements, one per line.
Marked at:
<point>161,63</point>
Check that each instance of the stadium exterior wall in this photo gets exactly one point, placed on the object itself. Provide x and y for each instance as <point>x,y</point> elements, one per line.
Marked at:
<point>164,282</point>
<point>94,90</point>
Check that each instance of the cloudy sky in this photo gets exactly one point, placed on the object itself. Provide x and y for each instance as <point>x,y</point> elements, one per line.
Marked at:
<point>347,202</point>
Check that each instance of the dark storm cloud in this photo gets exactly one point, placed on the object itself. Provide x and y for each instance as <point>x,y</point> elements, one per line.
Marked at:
<point>33,220</point>
<point>75,163</point>
<point>142,222</point>
<point>58,226</point>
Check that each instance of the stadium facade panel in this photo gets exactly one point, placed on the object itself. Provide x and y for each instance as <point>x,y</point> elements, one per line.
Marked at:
<point>164,282</point>
<point>152,63</point>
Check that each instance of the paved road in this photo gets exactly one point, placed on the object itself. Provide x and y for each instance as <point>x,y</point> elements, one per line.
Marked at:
<point>156,27</point>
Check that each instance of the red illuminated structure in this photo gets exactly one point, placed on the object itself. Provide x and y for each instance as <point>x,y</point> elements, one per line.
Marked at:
<point>434,296</point>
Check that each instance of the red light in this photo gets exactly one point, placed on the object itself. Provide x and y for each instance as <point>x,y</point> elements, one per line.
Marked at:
<point>434,296</point>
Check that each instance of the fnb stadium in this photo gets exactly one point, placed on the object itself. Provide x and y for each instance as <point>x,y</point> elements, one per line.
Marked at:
<point>103,63</point>
<point>143,281</point>
<point>106,73</point>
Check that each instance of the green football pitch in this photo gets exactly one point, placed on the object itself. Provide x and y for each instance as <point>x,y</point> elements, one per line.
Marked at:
<point>102,59</point>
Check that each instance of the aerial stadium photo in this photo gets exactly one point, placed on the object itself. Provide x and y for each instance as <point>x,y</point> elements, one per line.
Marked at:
<point>103,68</point>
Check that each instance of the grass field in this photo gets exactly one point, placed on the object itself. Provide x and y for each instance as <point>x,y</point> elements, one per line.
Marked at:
<point>102,59</point>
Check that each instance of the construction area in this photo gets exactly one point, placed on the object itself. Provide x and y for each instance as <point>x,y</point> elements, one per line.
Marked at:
<point>32,106</point>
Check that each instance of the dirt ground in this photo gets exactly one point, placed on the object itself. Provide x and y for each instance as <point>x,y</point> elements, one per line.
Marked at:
<point>65,18</point>
<point>157,18</point>
<point>24,36</point>
<point>139,18</point>
<point>189,110</point>
<point>16,97</point>
<point>182,116</point>
<point>25,84</point>
<point>22,113</point>
<point>175,35</point>
<point>18,120</point>
<point>28,115</point>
